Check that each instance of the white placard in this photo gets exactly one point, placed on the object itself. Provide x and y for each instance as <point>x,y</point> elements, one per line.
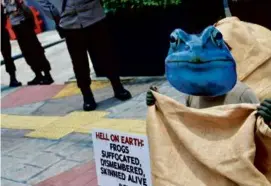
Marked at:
<point>121,159</point>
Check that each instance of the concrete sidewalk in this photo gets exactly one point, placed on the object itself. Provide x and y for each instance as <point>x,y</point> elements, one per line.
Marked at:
<point>47,133</point>
<point>44,131</point>
<point>57,55</point>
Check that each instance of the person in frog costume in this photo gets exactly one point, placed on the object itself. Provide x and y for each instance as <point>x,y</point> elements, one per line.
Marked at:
<point>202,67</point>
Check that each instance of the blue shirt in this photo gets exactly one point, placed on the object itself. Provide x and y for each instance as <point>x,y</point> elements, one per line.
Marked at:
<point>77,14</point>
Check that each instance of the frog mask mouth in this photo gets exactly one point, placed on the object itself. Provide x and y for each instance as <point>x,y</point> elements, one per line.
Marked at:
<point>200,65</point>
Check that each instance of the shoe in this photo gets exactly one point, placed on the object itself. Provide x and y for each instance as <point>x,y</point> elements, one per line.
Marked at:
<point>123,95</point>
<point>15,83</point>
<point>89,106</point>
<point>119,91</point>
<point>47,80</point>
<point>89,101</point>
<point>36,81</point>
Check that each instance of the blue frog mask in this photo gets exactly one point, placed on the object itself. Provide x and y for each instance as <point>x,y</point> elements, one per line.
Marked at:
<point>200,65</point>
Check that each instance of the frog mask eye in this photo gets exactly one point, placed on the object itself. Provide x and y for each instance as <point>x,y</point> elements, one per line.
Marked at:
<point>175,41</point>
<point>217,38</point>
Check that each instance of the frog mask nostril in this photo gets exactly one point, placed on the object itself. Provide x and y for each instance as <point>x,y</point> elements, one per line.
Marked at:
<point>196,60</point>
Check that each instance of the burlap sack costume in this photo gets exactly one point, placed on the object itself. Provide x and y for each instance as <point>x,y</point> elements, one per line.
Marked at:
<point>219,146</point>
<point>251,48</point>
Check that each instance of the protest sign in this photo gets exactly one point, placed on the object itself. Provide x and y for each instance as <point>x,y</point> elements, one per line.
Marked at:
<point>121,159</point>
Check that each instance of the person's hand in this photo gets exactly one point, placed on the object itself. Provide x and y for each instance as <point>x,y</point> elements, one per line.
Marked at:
<point>264,110</point>
<point>150,99</point>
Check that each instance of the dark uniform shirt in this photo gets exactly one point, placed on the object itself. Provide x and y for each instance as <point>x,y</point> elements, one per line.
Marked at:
<point>77,13</point>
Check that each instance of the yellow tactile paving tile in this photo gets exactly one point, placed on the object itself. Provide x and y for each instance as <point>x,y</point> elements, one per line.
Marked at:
<point>50,133</point>
<point>72,89</point>
<point>82,122</point>
<point>3,116</point>
<point>67,124</point>
<point>140,129</point>
<point>25,122</point>
<point>123,125</point>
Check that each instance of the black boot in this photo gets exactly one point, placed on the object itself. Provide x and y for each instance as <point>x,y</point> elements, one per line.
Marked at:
<point>47,78</point>
<point>89,101</point>
<point>37,80</point>
<point>13,80</point>
<point>119,91</point>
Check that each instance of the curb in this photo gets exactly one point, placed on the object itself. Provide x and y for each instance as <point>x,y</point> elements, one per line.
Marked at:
<point>124,79</point>
<point>45,46</point>
<point>5,87</point>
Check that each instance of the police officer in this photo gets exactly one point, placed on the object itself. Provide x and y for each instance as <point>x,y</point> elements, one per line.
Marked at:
<point>23,25</point>
<point>82,23</point>
<point>6,51</point>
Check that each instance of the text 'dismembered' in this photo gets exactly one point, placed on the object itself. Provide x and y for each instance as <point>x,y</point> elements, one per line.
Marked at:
<point>121,159</point>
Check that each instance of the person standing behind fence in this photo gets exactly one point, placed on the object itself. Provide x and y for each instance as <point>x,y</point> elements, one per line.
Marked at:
<point>23,25</point>
<point>83,25</point>
<point>6,51</point>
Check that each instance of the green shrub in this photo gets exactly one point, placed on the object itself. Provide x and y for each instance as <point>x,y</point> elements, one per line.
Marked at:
<point>113,5</point>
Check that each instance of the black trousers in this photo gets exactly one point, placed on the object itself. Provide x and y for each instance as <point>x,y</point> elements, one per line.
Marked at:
<point>6,51</point>
<point>31,48</point>
<point>95,41</point>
